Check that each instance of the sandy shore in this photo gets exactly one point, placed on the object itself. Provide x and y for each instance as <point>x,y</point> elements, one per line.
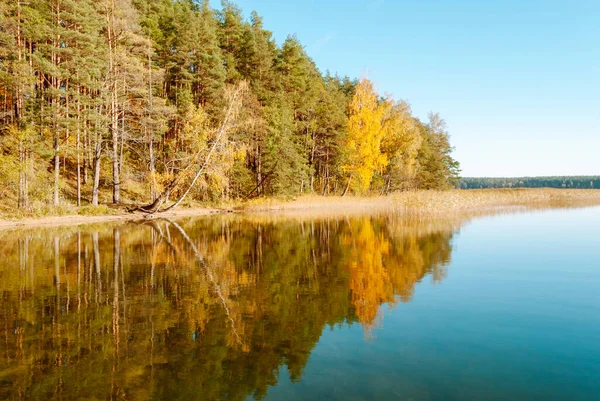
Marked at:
<point>50,221</point>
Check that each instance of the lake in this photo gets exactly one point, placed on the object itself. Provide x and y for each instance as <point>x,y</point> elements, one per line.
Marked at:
<point>503,307</point>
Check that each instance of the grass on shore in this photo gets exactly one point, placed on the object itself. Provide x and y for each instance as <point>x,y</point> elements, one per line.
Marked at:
<point>414,202</point>
<point>452,201</point>
<point>41,210</point>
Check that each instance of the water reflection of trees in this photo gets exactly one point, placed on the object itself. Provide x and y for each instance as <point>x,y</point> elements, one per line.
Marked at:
<point>200,309</point>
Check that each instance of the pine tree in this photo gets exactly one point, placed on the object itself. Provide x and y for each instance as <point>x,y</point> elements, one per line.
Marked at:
<point>284,166</point>
<point>208,68</point>
<point>259,59</point>
<point>330,128</point>
<point>303,87</point>
<point>232,29</point>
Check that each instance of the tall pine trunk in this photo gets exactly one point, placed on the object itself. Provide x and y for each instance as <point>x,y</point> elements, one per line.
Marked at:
<point>55,104</point>
<point>96,183</point>
<point>78,147</point>
<point>258,170</point>
<point>152,170</point>
<point>56,166</point>
<point>113,109</point>
<point>150,130</point>
<point>96,164</point>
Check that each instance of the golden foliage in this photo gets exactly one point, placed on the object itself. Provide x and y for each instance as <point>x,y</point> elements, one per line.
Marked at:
<point>362,146</point>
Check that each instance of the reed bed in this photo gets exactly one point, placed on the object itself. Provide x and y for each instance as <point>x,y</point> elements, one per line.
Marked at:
<point>421,203</point>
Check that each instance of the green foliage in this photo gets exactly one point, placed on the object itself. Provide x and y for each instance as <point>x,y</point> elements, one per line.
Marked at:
<point>101,96</point>
<point>283,159</point>
<point>437,169</point>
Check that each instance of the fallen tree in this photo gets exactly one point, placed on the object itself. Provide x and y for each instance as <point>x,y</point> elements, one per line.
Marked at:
<point>199,162</point>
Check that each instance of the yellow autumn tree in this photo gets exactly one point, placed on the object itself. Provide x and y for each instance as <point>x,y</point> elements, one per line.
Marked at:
<point>362,146</point>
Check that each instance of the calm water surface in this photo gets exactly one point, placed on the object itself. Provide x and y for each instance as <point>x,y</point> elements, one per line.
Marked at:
<point>359,308</point>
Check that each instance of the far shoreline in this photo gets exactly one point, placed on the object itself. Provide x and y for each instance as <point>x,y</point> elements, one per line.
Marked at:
<point>439,203</point>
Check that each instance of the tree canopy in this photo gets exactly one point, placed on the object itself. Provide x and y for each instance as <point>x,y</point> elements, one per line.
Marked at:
<point>112,101</point>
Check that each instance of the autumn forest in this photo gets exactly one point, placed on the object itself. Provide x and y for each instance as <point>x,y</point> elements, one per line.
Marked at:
<point>154,103</point>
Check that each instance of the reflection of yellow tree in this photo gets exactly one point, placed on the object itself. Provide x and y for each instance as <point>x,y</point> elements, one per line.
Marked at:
<point>386,261</point>
<point>370,284</point>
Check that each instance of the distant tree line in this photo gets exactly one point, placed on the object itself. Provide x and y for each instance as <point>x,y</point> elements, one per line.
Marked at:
<point>588,182</point>
<point>137,100</point>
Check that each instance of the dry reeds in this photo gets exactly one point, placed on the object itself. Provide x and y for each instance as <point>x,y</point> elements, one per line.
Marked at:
<point>420,203</point>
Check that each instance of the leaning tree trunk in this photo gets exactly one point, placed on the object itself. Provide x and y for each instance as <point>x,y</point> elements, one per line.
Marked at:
<point>155,206</point>
<point>347,186</point>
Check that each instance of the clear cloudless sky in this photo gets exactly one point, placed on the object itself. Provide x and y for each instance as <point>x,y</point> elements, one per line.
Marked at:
<point>517,81</point>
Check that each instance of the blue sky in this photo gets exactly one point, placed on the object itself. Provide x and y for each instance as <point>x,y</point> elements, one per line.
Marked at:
<point>517,81</point>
